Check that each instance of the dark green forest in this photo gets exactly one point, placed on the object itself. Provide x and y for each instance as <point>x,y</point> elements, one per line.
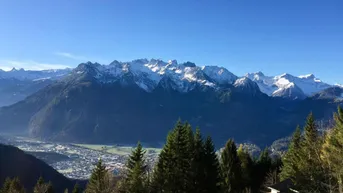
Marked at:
<point>189,163</point>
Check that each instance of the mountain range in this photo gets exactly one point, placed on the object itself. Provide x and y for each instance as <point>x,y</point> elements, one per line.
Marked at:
<point>124,102</point>
<point>16,84</point>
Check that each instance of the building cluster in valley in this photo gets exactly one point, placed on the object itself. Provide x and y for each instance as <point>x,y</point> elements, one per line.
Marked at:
<point>73,161</point>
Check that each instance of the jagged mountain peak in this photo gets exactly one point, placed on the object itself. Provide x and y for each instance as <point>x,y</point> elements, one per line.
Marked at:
<point>219,74</point>
<point>148,73</point>
<point>286,85</point>
<point>289,91</point>
<point>246,85</point>
<point>172,62</point>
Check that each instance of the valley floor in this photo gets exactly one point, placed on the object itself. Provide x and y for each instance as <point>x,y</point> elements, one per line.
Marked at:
<point>76,161</point>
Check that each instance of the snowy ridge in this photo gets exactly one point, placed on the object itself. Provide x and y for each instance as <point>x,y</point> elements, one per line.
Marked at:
<point>300,87</point>
<point>149,74</point>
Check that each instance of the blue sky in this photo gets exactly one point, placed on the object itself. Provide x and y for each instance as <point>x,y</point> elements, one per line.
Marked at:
<point>273,36</point>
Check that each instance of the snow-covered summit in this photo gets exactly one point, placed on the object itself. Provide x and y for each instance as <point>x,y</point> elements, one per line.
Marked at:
<point>150,74</point>
<point>287,84</point>
<point>147,74</point>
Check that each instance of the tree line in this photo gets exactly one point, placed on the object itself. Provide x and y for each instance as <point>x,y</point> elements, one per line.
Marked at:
<point>14,186</point>
<point>314,162</point>
<point>189,163</point>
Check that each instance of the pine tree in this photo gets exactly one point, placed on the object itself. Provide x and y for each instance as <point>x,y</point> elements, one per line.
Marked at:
<point>291,159</point>
<point>211,167</point>
<point>6,186</point>
<point>173,169</point>
<point>135,179</point>
<point>137,155</point>
<point>42,187</point>
<point>12,186</point>
<point>100,180</point>
<point>163,168</point>
<point>263,166</point>
<point>197,164</point>
<point>332,151</point>
<point>230,169</point>
<point>76,188</point>
<point>182,159</point>
<point>247,167</point>
<point>312,172</point>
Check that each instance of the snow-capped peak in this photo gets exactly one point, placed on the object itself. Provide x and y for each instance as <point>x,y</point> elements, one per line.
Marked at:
<point>148,73</point>
<point>219,74</point>
<point>183,77</point>
<point>306,84</point>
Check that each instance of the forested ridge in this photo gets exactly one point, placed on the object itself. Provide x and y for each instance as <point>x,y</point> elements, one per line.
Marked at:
<point>189,163</point>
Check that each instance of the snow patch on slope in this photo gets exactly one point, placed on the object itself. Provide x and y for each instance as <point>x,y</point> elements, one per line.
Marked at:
<point>219,74</point>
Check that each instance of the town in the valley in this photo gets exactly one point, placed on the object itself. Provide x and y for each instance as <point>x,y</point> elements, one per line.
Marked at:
<point>76,161</point>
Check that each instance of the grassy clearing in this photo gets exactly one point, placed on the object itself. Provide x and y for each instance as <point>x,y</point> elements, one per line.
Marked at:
<point>65,171</point>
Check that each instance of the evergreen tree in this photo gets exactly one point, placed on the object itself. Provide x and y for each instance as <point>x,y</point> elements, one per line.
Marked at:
<point>42,187</point>
<point>197,164</point>
<point>291,159</point>
<point>247,167</point>
<point>262,167</point>
<point>76,188</point>
<point>312,172</point>
<point>12,186</point>
<point>137,155</point>
<point>6,186</point>
<point>100,180</point>
<point>230,169</point>
<point>333,149</point>
<point>163,167</point>
<point>173,169</point>
<point>211,167</point>
<point>135,179</point>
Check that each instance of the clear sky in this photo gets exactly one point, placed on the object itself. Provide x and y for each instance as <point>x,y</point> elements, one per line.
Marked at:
<point>272,36</point>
